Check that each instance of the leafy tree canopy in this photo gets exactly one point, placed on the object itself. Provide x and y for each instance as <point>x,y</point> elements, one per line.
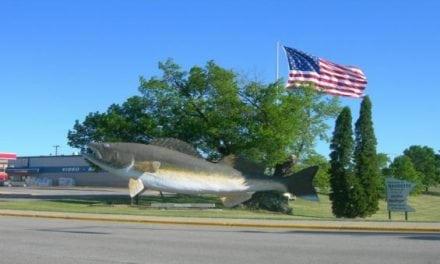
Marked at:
<point>382,160</point>
<point>403,168</point>
<point>425,162</point>
<point>217,111</point>
<point>127,122</point>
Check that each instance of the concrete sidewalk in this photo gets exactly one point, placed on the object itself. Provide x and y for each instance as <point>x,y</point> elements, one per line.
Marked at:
<point>377,226</point>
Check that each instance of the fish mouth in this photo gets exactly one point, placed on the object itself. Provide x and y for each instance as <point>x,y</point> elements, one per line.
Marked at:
<point>92,153</point>
<point>95,153</point>
<point>93,150</point>
<point>107,156</point>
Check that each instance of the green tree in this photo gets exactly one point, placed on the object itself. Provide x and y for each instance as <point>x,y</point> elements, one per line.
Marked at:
<point>382,162</point>
<point>437,165</point>
<point>403,168</point>
<point>346,193</point>
<point>219,113</point>
<point>425,162</point>
<point>127,122</point>
<point>314,110</point>
<point>365,158</point>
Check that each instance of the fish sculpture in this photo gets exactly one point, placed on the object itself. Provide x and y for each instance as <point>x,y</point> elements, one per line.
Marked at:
<point>171,165</point>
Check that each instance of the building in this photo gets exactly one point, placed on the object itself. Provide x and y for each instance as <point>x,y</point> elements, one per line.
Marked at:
<point>4,161</point>
<point>72,170</point>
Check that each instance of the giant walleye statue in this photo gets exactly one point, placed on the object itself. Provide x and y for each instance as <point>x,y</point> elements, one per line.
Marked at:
<point>171,165</point>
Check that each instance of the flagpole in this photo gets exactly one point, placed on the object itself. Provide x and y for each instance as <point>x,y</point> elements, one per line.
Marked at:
<point>278,62</point>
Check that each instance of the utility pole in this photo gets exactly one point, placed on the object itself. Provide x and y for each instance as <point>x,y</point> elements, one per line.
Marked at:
<point>56,149</point>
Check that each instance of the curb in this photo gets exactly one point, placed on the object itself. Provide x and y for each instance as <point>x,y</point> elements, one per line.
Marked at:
<point>225,223</point>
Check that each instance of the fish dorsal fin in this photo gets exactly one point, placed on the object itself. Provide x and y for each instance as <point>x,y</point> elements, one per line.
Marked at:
<point>175,144</point>
<point>246,166</point>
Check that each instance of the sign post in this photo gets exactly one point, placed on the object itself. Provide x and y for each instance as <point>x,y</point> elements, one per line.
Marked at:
<point>397,193</point>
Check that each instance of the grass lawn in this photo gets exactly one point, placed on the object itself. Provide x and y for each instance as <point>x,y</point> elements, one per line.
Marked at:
<point>427,208</point>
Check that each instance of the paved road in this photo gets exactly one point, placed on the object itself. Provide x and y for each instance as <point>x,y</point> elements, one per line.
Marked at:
<point>40,240</point>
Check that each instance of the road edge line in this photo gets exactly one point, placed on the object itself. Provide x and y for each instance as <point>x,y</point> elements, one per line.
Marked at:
<point>226,223</point>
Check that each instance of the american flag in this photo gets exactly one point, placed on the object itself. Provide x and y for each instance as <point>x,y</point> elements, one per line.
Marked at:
<point>326,76</point>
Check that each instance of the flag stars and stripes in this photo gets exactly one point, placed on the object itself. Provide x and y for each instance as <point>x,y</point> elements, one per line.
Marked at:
<point>326,76</point>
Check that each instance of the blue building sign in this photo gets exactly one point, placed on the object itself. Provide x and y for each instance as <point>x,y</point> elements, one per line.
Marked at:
<point>37,170</point>
<point>74,169</point>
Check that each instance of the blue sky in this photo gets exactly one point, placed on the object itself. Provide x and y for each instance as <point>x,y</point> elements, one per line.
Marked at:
<point>60,60</point>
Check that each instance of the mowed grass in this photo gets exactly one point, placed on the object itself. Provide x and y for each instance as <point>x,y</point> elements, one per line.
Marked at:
<point>427,208</point>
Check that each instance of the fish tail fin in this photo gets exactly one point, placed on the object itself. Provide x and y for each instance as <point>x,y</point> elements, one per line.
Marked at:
<point>301,184</point>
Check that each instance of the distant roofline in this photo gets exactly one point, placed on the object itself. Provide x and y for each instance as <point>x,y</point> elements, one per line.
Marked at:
<point>50,156</point>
